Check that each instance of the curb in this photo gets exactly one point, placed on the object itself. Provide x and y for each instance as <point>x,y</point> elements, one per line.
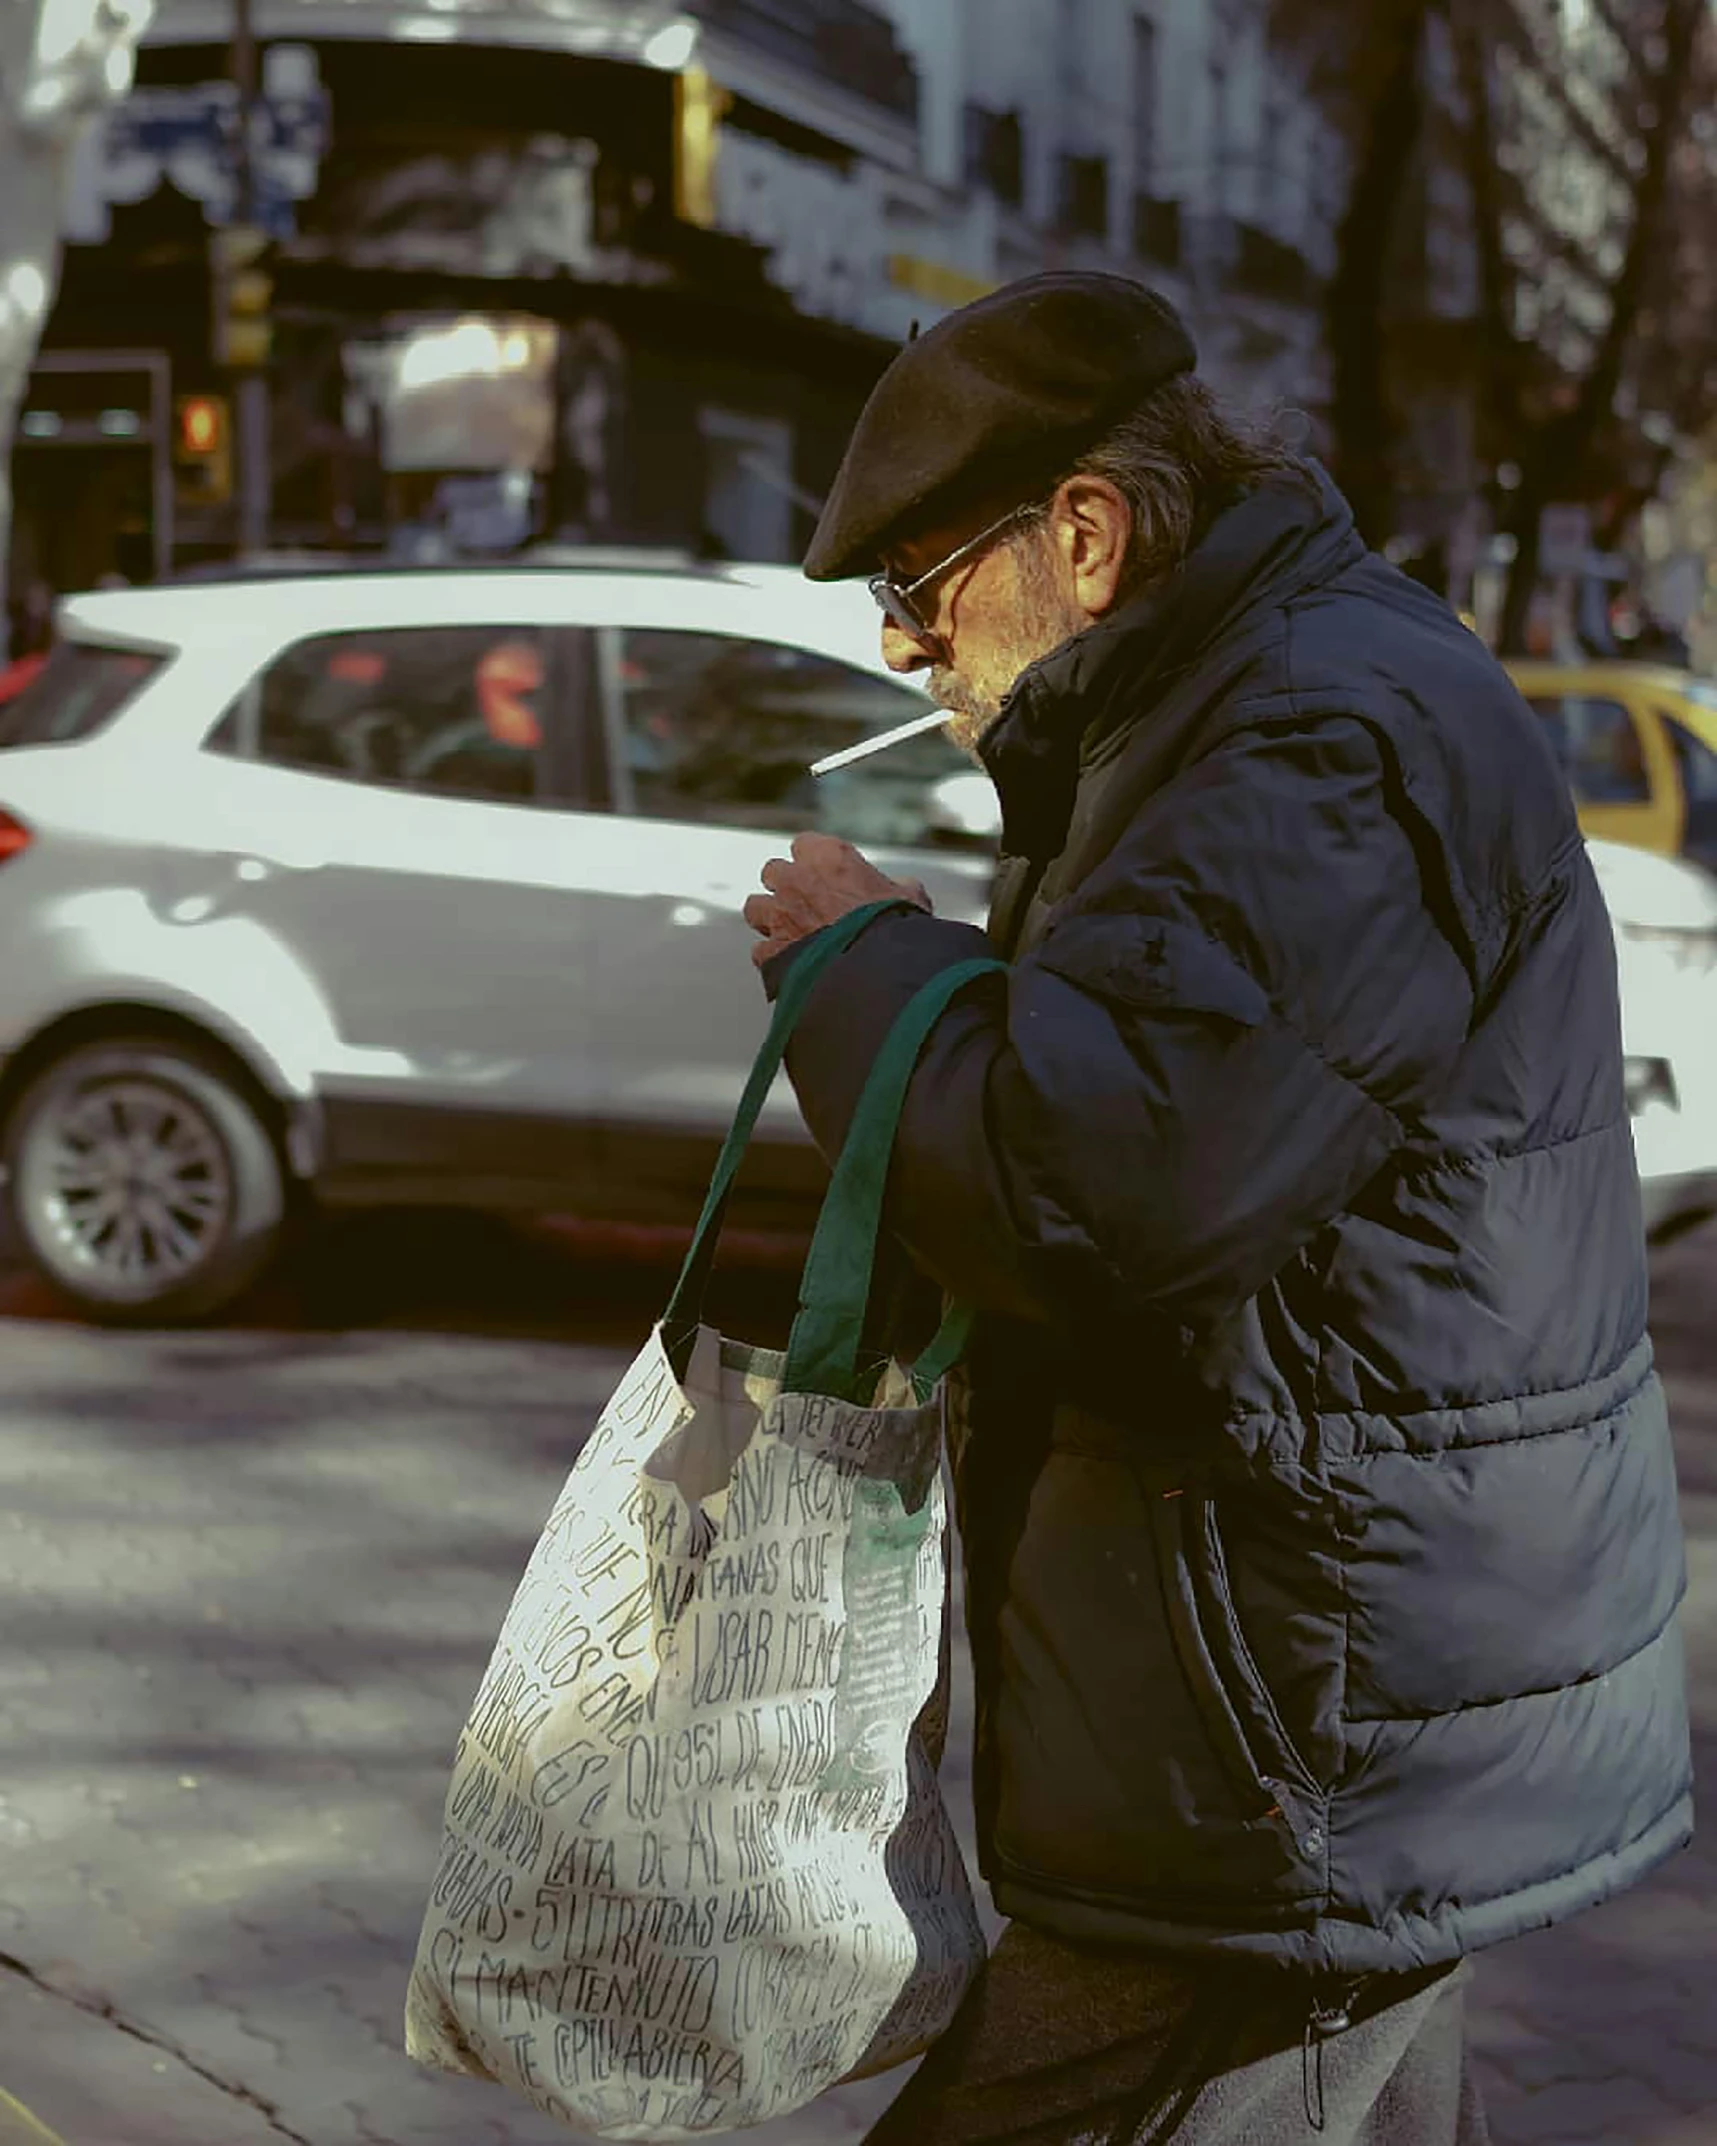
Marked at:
<point>18,2127</point>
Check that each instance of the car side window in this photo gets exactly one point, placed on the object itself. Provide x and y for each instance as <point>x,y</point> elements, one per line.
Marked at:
<point>1698,765</point>
<point>1598,744</point>
<point>73,693</point>
<point>723,730</point>
<point>457,710</point>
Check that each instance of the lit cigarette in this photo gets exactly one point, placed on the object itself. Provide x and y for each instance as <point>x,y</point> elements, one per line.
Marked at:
<point>866,746</point>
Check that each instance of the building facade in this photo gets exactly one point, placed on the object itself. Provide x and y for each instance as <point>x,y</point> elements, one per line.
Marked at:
<point>1166,139</point>
<point>624,273</point>
<point>495,314</point>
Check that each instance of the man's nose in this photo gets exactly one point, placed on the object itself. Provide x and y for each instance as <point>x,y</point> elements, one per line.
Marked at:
<point>903,651</point>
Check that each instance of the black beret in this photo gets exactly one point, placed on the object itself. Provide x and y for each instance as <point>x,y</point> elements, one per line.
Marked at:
<point>1007,390</point>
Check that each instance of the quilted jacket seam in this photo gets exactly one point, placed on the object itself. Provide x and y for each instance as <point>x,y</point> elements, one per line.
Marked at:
<point>1395,1412</point>
<point>1489,1445</point>
<point>1422,1718</point>
<point>1472,1161</point>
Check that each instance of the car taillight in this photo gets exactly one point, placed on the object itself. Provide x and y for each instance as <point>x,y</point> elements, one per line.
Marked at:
<point>15,837</point>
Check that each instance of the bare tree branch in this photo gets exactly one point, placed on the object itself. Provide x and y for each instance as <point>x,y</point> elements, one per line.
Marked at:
<point>1556,453</point>
<point>1682,22</point>
<point>1500,348</point>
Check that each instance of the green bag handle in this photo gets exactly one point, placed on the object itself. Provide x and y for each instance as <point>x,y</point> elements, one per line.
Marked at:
<point>823,1348</point>
<point>944,1350</point>
<point>685,1306</point>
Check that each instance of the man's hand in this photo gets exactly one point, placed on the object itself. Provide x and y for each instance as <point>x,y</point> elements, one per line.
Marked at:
<point>824,880</point>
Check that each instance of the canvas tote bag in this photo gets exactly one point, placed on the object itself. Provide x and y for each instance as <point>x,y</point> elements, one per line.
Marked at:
<point>696,1867</point>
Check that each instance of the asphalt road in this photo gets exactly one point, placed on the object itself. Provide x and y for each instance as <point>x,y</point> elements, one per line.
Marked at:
<point>248,1581</point>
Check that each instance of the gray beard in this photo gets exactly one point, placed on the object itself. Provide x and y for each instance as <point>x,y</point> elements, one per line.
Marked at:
<point>949,690</point>
<point>1046,621</point>
<point>972,715</point>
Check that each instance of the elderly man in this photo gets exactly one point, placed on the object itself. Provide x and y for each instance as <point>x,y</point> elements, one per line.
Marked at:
<point>1316,1488</point>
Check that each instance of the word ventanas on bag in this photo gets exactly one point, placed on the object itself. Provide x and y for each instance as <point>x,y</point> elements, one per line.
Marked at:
<point>749,1653</point>
<point>590,1964</point>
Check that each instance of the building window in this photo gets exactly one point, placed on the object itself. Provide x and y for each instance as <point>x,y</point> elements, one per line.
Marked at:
<point>976,122</point>
<point>995,153</point>
<point>1220,145</point>
<point>1144,102</point>
<point>1156,230</point>
<point>1083,209</point>
<point>1268,267</point>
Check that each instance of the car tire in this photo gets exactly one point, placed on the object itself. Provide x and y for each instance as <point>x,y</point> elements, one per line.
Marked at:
<point>143,1181</point>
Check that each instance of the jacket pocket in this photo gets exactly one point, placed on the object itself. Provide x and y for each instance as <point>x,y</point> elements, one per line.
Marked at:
<point>1240,1716</point>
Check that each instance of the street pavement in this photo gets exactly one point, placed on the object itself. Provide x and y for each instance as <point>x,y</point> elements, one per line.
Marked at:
<point>249,1579</point>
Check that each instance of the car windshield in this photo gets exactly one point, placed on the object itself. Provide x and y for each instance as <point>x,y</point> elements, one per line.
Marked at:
<point>71,694</point>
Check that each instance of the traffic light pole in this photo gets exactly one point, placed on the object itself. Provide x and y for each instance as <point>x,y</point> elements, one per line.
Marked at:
<point>250,384</point>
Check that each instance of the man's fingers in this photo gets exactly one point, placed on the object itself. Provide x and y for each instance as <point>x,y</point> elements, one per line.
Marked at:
<point>788,901</point>
<point>823,879</point>
<point>807,846</point>
<point>761,912</point>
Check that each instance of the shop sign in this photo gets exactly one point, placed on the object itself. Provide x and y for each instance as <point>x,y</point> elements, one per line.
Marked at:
<point>827,235</point>
<point>818,225</point>
<point>935,280</point>
<point>188,138</point>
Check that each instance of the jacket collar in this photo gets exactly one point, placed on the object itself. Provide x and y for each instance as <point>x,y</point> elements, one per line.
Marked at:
<point>1269,545</point>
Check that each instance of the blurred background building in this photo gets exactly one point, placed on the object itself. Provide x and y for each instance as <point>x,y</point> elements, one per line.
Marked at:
<point>488,272</point>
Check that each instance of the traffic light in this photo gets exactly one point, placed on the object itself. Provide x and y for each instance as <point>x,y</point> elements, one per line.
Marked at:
<point>202,450</point>
<point>243,297</point>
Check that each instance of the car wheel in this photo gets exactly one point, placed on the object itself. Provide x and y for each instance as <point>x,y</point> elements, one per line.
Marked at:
<point>144,1183</point>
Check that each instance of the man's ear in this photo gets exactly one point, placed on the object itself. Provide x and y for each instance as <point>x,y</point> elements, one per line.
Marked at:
<point>1093,531</point>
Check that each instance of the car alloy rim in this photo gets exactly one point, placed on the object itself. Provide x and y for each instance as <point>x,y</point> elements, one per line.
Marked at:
<point>129,1187</point>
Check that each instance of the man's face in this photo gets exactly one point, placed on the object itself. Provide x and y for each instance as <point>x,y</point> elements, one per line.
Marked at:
<point>994,616</point>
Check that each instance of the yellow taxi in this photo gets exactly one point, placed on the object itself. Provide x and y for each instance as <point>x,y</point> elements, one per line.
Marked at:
<point>1638,743</point>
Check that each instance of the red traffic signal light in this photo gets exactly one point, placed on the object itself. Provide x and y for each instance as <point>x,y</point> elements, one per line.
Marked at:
<point>202,425</point>
<point>202,448</point>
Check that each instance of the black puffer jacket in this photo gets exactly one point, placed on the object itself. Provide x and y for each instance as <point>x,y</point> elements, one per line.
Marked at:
<point>1317,1492</point>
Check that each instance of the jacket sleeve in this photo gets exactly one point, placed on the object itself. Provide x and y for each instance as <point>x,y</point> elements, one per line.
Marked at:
<point>1206,1057</point>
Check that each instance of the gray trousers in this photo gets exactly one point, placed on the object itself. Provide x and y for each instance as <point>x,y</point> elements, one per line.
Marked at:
<point>1065,2045</point>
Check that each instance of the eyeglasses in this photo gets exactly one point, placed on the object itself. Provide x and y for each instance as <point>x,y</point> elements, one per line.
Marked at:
<point>896,599</point>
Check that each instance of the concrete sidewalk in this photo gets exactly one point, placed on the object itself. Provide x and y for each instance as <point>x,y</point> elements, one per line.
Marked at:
<point>248,1582</point>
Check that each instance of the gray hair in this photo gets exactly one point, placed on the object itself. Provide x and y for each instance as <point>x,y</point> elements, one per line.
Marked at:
<point>1178,459</point>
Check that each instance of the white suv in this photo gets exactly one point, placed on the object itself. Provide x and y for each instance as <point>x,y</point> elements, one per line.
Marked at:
<point>425,886</point>
<point>418,886</point>
<point>1665,917</point>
